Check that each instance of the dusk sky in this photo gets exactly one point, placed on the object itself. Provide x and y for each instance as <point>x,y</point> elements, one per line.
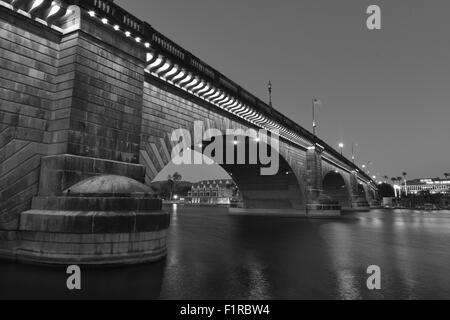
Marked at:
<point>387,90</point>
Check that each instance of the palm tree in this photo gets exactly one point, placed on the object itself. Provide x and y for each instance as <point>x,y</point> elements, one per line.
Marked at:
<point>399,181</point>
<point>394,180</point>
<point>404,177</point>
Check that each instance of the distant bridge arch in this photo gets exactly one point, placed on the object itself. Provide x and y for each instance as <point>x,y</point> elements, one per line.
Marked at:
<point>337,188</point>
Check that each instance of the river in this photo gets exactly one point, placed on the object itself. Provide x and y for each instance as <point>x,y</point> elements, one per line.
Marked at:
<point>212,255</point>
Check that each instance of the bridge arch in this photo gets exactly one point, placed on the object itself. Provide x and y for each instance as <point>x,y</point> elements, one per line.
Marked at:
<point>336,187</point>
<point>282,190</point>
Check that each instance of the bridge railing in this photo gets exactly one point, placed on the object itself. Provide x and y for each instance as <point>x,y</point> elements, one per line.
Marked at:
<point>160,43</point>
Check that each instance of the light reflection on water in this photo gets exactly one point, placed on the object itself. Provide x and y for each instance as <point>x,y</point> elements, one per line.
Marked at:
<point>216,256</point>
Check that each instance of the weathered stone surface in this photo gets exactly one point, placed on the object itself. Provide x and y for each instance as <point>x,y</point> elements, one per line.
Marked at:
<point>96,202</point>
<point>94,249</point>
<point>60,172</point>
<point>111,219</point>
<point>92,222</point>
<point>113,185</point>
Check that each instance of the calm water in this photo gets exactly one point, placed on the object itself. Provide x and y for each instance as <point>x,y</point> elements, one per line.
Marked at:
<point>216,256</point>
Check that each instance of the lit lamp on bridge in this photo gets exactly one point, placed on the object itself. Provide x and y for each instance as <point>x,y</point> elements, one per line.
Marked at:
<point>316,102</point>
<point>341,146</point>
<point>354,145</point>
<point>364,166</point>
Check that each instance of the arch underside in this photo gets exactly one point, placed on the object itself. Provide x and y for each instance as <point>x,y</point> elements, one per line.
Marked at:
<point>335,187</point>
<point>279,191</point>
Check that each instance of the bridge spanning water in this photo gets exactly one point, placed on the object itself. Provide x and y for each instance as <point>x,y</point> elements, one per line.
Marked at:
<point>87,89</point>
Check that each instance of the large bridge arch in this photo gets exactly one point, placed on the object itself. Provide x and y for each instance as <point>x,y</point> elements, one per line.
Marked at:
<point>346,187</point>
<point>282,190</point>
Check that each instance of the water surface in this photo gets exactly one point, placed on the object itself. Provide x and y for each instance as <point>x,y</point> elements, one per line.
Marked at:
<point>216,256</point>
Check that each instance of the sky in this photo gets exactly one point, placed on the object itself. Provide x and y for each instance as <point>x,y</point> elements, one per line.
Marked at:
<point>388,90</point>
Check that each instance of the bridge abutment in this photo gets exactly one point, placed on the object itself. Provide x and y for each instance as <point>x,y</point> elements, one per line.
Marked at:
<point>71,109</point>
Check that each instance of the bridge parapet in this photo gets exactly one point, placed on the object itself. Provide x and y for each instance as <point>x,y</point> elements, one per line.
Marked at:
<point>53,13</point>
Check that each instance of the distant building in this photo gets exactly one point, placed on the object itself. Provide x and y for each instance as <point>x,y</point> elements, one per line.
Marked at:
<point>432,185</point>
<point>213,192</point>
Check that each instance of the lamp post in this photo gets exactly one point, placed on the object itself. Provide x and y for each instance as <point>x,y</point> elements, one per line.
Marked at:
<point>341,146</point>
<point>366,165</point>
<point>315,102</point>
<point>269,88</point>
<point>404,178</point>
<point>354,145</point>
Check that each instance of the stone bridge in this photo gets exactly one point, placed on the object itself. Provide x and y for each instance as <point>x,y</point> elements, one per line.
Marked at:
<point>88,89</point>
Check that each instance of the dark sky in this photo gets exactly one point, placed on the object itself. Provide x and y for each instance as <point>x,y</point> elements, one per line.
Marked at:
<point>388,90</point>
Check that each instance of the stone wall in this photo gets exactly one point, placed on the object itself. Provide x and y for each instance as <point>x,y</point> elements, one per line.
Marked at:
<point>29,124</point>
<point>106,107</point>
<point>78,92</point>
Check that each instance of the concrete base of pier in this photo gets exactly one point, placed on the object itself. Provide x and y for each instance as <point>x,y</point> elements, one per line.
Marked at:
<point>95,250</point>
<point>103,220</point>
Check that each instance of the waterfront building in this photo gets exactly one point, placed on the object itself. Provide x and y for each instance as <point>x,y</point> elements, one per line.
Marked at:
<point>213,192</point>
<point>435,185</point>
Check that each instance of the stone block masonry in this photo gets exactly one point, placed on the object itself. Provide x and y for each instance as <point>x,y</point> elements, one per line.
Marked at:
<point>28,119</point>
<point>78,93</point>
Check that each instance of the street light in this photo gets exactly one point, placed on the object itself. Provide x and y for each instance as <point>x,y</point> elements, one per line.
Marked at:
<point>341,146</point>
<point>315,102</point>
<point>366,165</point>
<point>269,88</point>
<point>354,145</point>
